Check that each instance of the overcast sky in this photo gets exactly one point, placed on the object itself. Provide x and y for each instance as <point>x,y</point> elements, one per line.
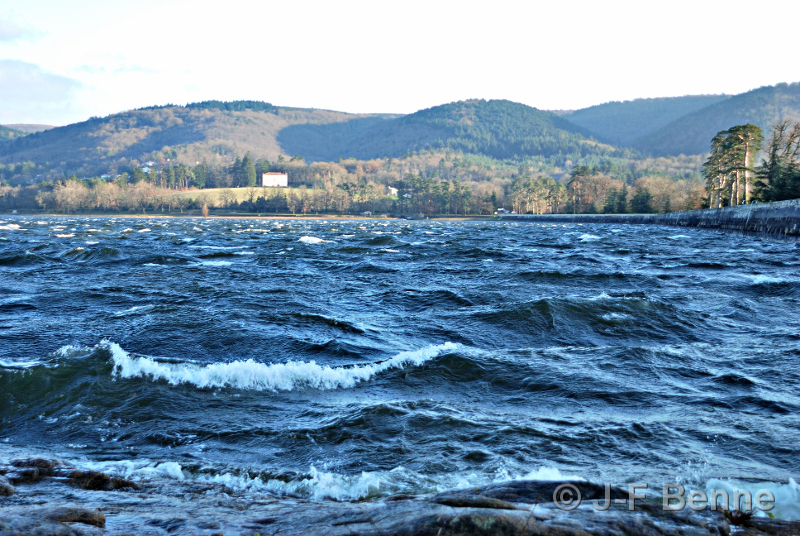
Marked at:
<point>62,62</point>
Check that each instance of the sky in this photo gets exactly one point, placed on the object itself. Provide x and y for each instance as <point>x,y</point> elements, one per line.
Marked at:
<point>63,62</point>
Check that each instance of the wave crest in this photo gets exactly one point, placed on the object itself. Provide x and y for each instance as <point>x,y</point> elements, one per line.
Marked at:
<point>253,375</point>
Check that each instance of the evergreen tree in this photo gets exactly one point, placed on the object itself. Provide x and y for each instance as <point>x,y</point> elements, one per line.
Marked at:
<point>642,202</point>
<point>779,173</point>
<point>622,200</point>
<point>248,171</point>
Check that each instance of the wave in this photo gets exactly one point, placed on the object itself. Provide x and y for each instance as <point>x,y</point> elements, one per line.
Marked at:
<point>253,375</point>
<point>311,240</point>
<point>321,484</point>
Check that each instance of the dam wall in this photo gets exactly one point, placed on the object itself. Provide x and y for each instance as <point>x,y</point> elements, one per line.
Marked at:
<point>779,220</point>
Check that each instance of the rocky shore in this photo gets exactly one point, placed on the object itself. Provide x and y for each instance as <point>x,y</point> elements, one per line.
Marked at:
<point>50,498</point>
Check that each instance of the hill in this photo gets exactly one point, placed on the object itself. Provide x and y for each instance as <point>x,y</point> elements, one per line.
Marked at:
<point>210,131</point>
<point>497,128</point>
<point>218,131</point>
<point>692,133</point>
<point>29,128</point>
<point>622,123</point>
<point>7,133</point>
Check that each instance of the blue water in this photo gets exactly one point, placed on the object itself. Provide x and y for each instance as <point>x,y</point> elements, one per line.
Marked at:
<point>352,359</point>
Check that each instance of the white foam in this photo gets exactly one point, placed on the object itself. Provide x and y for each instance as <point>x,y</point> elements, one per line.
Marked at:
<point>311,240</point>
<point>611,317</point>
<point>319,485</point>
<point>787,496</point>
<point>216,263</point>
<point>760,279</point>
<point>678,237</point>
<point>65,235</point>
<point>585,237</point>
<point>144,230</point>
<point>19,364</point>
<point>11,227</point>
<point>549,474</point>
<point>257,376</point>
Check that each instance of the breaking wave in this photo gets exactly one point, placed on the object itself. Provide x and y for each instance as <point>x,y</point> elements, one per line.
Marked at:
<point>253,375</point>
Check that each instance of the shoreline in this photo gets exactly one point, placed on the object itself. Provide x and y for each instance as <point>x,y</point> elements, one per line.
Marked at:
<point>48,497</point>
<point>312,217</point>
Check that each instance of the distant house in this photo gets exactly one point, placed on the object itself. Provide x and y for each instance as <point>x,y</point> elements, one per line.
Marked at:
<point>146,169</point>
<point>392,191</point>
<point>273,179</point>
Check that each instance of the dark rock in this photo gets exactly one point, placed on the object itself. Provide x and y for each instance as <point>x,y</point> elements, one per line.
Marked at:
<point>39,463</point>
<point>95,480</point>
<point>535,491</point>
<point>6,489</point>
<point>479,501</point>
<point>69,514</point>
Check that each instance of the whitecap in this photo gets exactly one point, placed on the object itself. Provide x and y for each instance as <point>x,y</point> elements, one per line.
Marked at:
<point>759,279</point>
<point>65,235</point>
<point>787,496</point>
<point>11,227</point>
<point>258,376</point>
<point>318,485</point>
<point>216,263</point>
<point>586,237</point>
<point>145,230</point>
<point>311,240</point>
<point>550,474</point>
<point>19,364</point>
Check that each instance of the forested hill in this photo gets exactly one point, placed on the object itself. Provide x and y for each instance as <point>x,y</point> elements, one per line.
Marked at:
<point>7,133</point>
<point>219,131</point>
<point>498,128</point>
<point>202,131</point>
<point>692,133</point>
<point>622,123</point>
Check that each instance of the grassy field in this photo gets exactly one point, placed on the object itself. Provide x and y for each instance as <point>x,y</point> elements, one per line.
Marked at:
<point>222,197</point>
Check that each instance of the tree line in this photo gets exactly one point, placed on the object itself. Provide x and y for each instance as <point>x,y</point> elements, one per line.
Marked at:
<point>426,182</point>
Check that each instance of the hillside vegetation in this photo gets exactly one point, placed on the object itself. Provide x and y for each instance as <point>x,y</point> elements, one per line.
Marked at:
<point>692,133</point>
<point>499,129</point>
<point>7,133</point>
<point>622,123</point>
<point>203,131</point>
<point>28,128</point>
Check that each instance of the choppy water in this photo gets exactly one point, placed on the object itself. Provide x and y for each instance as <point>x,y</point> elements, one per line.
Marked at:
<point>349,359</point>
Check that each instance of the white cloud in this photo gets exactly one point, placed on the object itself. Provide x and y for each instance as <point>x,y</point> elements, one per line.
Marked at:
<point>28,93</point>
<point>15,28</point>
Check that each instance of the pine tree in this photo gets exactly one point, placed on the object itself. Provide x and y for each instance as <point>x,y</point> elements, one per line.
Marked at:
<point>248,171</point>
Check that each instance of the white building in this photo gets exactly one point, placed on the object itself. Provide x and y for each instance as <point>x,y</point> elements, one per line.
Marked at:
<point>274,179</point>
